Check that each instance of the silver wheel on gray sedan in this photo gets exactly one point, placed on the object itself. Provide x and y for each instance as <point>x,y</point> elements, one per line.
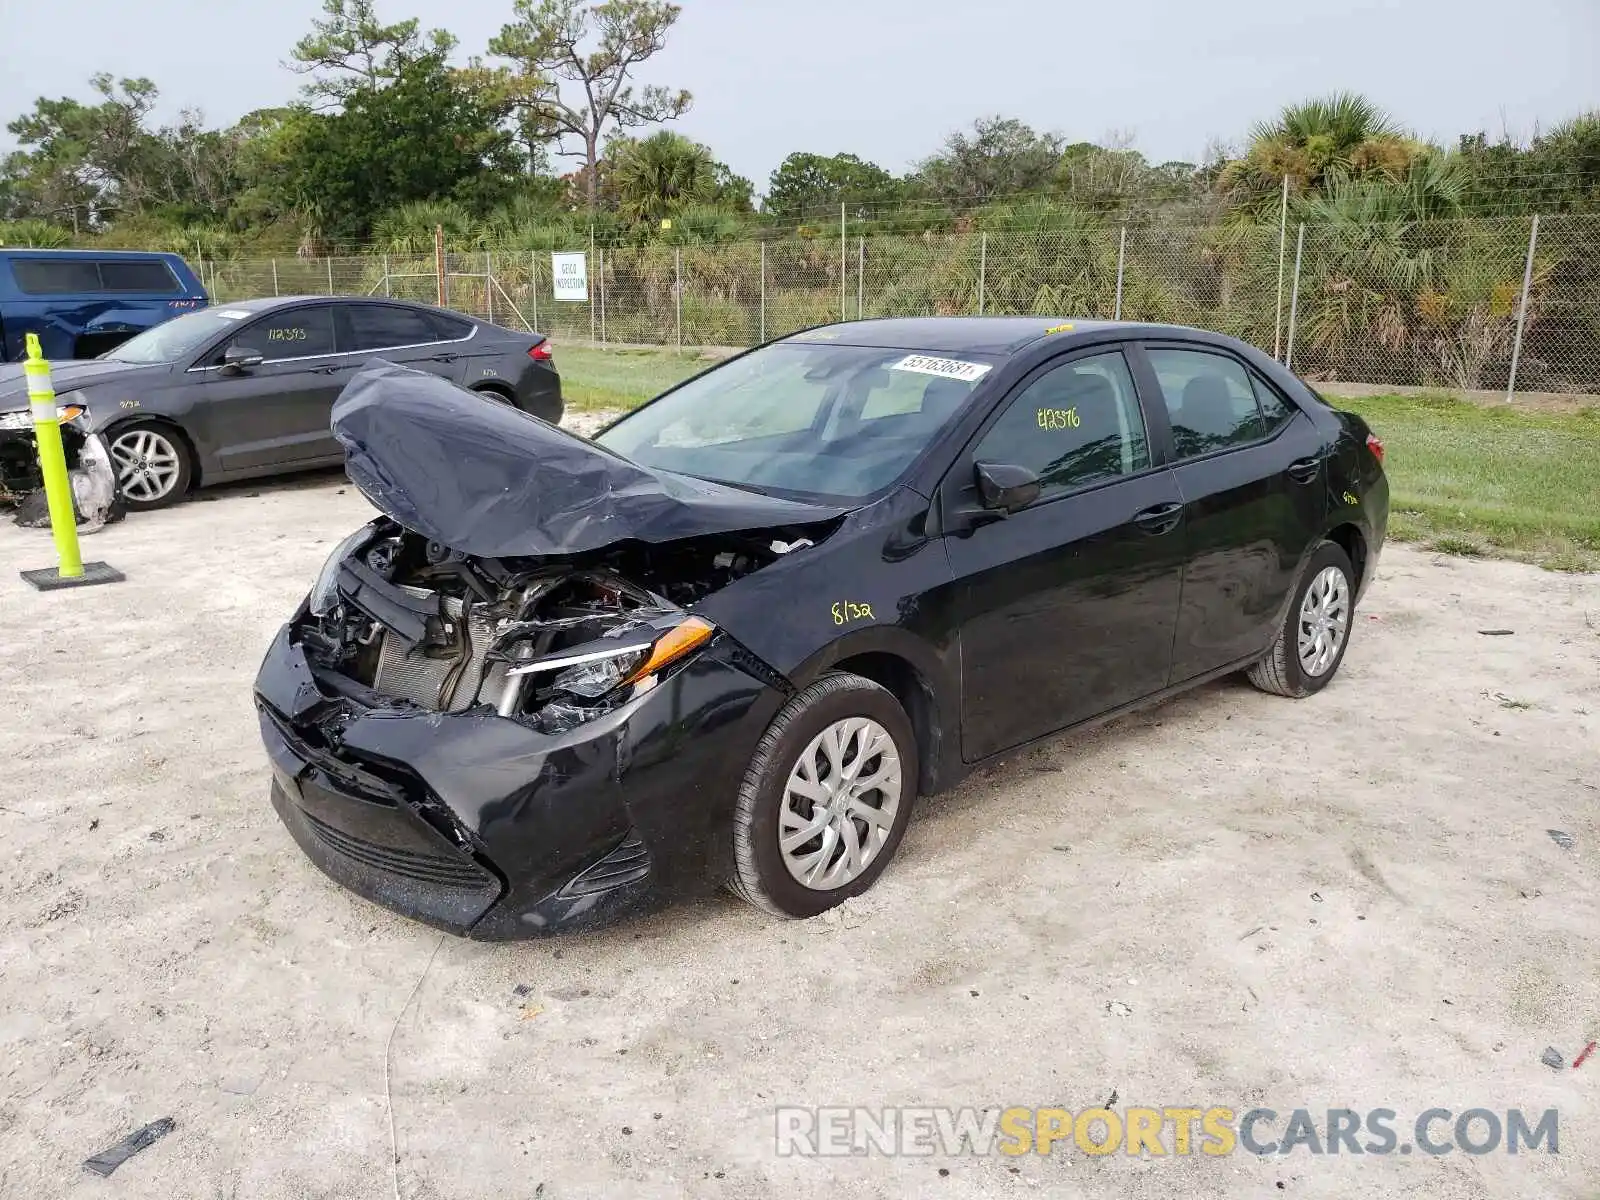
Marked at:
<point>1324,620</point>
<point>150,465</point>
<point>839,804</point>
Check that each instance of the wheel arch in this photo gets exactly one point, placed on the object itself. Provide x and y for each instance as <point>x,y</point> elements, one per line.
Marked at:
<point>498,389</point>
<point>915,692</point>
<point>1349,537</point>
<point>196,465</point>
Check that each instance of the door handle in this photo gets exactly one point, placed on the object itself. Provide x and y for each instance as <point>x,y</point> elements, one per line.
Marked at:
<point>1162,518</point>
<point>445,358</point>
<point>1304,470</point>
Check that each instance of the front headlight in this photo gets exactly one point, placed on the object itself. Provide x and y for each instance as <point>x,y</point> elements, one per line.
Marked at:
<point>69,407</point>
<point>325,592</point>
<point>592,672</point>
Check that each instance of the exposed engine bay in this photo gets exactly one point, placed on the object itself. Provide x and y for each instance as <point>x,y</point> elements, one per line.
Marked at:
<point>89,470</point>
<point>548,642</point>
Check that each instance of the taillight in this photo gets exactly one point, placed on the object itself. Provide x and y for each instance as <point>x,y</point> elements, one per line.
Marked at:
<point>542,352</point>
<point>1375,446</point>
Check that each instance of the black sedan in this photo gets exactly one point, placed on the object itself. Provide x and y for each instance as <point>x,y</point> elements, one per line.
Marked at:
<point>245,390</point>
<point>735,637</point>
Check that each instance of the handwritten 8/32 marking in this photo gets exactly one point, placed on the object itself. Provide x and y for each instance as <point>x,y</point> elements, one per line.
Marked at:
<point>846,611</point>
<point>1058,418</point>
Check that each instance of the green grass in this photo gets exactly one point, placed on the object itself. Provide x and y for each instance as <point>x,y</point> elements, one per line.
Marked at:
<point>593,380</point>
<point>1497,481</point>
<point>1463,479</point>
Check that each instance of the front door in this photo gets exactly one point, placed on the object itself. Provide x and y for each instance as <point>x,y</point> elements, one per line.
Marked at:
<point>1068,606</point>
<point>1250,469</point>
<point>277,414</point>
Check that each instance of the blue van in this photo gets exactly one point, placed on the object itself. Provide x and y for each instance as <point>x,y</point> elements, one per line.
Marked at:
<point>81,303</point>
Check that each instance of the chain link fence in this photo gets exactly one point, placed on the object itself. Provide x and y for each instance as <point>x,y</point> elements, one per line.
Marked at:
<point>1458,304</point>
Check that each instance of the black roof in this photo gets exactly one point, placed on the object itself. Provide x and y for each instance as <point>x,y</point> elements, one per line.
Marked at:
<point>970,335</point>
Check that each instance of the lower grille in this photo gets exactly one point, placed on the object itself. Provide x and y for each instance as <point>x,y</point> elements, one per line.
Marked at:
<point>436,869</point>
<point>405,671</point>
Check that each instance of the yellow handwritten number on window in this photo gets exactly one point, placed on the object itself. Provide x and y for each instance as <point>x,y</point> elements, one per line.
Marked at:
<point>1058,418</point>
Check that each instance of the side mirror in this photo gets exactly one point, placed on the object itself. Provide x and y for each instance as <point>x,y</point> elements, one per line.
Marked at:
<point>1004,487</point>
<point>237,359</point>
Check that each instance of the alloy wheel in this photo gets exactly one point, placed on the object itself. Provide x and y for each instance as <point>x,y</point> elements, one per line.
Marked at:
<point>839,804</point>
<point>148,465</point>
<point>1324,620</point>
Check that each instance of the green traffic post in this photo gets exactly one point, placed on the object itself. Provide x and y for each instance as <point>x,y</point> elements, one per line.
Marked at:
<point>70,571</point>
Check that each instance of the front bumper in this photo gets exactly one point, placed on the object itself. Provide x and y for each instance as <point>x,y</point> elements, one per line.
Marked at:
<point>481,826</point>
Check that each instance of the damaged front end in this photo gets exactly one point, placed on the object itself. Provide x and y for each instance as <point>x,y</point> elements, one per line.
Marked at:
<point>95,498</point>
<point>507,728</point>
<point>549,644</point>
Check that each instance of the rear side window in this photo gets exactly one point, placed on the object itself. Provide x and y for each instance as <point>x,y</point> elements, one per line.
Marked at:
<point>450,329</point>
<point>1076,424</point>
<point>81,276</point>
<point>382,326</point>
<point>55,277</point>
<point>1275,410</point>
<point>1209,399</point>
<point>296,333</point>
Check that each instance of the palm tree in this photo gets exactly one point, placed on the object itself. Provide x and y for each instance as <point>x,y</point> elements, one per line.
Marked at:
<point>661,174</point>
<point>34,234</point>
<point>1312,142</point>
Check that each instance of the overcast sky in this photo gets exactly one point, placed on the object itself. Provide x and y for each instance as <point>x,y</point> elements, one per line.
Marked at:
<point>887,79</point>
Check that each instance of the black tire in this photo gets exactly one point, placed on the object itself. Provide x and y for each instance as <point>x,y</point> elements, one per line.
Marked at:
<point>1280,671</point>
<point>179,484</point>
<point>496,393</point>
<point>760,875</point>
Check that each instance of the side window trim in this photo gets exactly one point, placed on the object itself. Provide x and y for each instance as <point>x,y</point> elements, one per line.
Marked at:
<point>1146,377</point>
<point>951,484</point>
<point>201,364</point>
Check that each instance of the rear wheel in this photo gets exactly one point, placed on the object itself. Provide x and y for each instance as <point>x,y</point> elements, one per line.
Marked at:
<point>826,798</point>
<point>152,464</point>
<point>1316,630</point>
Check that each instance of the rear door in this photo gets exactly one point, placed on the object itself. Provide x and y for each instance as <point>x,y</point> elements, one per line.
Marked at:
<point>278,413</point>
<point>408,336</point>
<point>1068,606</point>
<point>1250,468</point>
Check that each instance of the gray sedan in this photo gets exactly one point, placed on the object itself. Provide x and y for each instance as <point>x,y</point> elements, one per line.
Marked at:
<point>245,390</point>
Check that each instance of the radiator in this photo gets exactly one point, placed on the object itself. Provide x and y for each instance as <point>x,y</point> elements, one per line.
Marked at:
<point>408,673</point>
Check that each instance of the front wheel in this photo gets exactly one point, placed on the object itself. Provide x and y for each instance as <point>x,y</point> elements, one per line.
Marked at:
<point>826,797</point>
<point>1316,630</point>
<point>152,464</point>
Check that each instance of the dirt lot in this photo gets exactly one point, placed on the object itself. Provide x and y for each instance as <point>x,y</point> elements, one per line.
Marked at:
<point>1351,901</point>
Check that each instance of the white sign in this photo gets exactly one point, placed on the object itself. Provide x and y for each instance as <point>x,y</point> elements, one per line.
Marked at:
<point>571,274</point>
<point>948,368</point>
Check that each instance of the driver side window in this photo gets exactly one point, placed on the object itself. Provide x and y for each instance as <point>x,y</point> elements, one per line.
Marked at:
<point>292,333</point>
<point>1076,424</point>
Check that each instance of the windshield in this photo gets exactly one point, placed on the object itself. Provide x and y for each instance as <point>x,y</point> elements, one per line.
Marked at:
<point>176,339</point>
<point>841,422</point>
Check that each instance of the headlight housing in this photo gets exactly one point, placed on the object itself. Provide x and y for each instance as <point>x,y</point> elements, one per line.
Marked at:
<point>69,407</point>
<point>325,592</point>
<point>594,670</point>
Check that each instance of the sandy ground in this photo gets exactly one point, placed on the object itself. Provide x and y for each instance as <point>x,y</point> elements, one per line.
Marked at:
<point>1234,899</point>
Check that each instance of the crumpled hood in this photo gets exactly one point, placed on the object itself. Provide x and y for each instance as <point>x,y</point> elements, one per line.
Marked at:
<point>64,377</point>
<point>485,479</point>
